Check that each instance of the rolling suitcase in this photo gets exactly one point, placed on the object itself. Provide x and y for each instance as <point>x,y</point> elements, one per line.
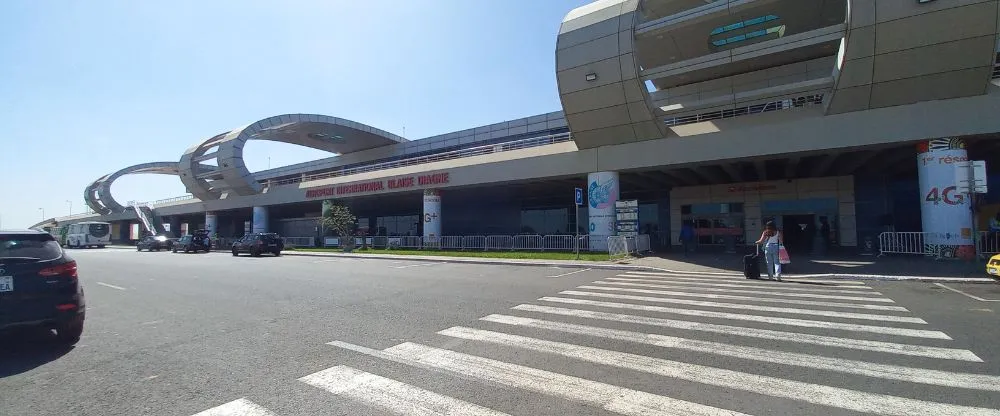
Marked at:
<point>751,264</point>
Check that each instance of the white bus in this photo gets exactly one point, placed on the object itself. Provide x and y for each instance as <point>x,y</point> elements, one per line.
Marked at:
<point>88,234</point>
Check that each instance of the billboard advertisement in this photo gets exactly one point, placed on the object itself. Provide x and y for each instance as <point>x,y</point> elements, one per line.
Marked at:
<point>211,223</point>
<point>432,215</point>
<point>945,213</point>
<point>602,193</point>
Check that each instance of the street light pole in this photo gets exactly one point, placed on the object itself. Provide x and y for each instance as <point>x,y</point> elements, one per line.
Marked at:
<point>70,206</point>
<point>43,212</point>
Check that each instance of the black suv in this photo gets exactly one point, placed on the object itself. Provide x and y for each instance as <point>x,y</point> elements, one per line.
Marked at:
<point>154,243</point>
<point>39,285</point>
<point>259,243</point>
<point>196,242</point>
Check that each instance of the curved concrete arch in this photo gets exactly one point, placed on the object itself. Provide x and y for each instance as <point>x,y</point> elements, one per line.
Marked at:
<point>193,171</point>
<point>604,99</point>
<point>98,193</point>
<point>92,199</point>
<point>899,53</point>
<point>335,135</point>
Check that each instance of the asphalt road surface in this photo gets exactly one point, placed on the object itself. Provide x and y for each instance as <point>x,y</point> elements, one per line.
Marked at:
<point>210,334</point>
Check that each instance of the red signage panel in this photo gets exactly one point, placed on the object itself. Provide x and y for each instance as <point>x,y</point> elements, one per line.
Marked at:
<point>402,182</point>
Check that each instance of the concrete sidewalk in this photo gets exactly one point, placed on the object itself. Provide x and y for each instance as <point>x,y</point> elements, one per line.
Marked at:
<point>717,264</point>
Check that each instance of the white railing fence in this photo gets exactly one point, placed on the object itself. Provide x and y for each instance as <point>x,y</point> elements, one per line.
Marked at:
<point>292,242</point>
<point>917,243</point>
<point>532,242</point>
<point>620,247</point>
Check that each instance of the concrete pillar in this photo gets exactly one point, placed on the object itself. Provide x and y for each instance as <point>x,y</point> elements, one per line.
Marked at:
<point>259,221</point>
<point>602,193</point>
<point>211,223</point>
<point>432,215</point>
<point>945,214</point>
<point>175,226</point>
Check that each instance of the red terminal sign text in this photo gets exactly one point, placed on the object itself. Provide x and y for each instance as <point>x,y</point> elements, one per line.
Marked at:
<point>380,185</point>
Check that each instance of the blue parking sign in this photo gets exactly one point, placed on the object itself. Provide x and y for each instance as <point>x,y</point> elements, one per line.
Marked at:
<point>579,196</point>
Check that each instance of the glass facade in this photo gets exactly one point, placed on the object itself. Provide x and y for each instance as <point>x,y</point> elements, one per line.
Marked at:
<point>547,221</point>
<point>397,225</point>
<point>714,223</point>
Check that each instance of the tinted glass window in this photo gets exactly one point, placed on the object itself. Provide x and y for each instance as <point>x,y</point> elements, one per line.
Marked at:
<point>99,230</point>
<point>35,246</point>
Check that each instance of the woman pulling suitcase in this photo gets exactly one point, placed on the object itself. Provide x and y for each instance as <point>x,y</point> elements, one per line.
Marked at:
<point>772,240</point>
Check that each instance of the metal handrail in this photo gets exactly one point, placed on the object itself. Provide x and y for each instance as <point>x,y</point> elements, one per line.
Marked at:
<point>785,104</point>
<point>454,154</point>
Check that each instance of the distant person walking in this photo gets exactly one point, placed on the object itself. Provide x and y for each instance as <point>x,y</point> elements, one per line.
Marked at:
<point>772,240</point>
<point>687,237</point>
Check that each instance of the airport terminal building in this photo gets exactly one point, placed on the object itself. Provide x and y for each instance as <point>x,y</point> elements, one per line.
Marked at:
<point>724,114</point>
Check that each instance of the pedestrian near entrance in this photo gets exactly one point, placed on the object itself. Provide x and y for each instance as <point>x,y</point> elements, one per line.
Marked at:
<point>687,237</point>
<point>772,240</point>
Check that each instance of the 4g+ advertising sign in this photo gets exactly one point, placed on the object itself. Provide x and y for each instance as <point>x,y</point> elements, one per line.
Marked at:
<point>947,195</point>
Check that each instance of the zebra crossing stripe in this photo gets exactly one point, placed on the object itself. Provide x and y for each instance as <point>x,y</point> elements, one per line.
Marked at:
<point>741,278</point>
<point>239,407</point>
<point>765,385</point>
<point>746,283</point>
<point>903,332</point>
<point>731,288</point>
<point>394,396</point>
<point>612,287</point>
<point>827,341</point>
<point>796,311</point>
<point>864,368</point>
<point>609,397</point>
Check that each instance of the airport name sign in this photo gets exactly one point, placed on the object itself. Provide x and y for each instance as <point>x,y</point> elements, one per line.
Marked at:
<point>403,182</point>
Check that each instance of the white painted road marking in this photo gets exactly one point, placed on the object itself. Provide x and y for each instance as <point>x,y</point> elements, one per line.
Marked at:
<point>734,288</point>
<point>740,297</point>
<point>611,398</point>
<point>903,332</point>
<point>241,407</point>
<point>111,286</point>
<point>966,294</point>
<point>741,282</point>
<point>741,278</point>
<point>414,265</point>
<point>869,369</point>
<point>797,311</point>
<point>394,396</point>
<point>850,343</point>
<point>567,274</point>
<point>770,386</point>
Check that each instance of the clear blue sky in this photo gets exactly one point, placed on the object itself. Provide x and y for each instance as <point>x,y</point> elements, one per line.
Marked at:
<point>88,87</point>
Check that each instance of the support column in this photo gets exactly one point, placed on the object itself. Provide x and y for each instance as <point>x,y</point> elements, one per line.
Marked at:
<point>259,221</point>
<point>432,216</point>
<point>175,226</point>
<point>602,193</point>
<point>211,223</point>
<point>945,214</point>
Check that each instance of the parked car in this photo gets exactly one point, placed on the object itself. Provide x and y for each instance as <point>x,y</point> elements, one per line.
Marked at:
<point>154,243</point>
<point>199,241</point>
<point>259,243</point>
<point>39,285</point>
<point>993,266</point>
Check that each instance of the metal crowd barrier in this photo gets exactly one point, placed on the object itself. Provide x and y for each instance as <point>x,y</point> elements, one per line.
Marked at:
<point>620,247</point>
<point>531,242</point>
<point>915,243</point>
<point>300,242</point>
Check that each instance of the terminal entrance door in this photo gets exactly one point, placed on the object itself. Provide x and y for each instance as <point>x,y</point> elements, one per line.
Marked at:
<point>799,232</point>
